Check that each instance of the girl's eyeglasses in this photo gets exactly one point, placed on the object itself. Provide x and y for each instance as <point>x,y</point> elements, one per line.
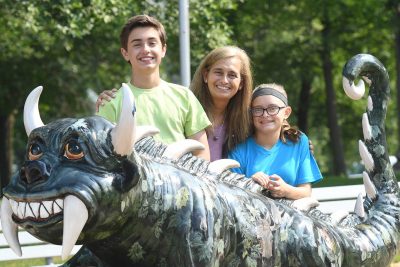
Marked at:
<point>271,110</point>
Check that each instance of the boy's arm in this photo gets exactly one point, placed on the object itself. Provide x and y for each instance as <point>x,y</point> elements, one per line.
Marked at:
<point>202,138</point>
<point>106,95</point>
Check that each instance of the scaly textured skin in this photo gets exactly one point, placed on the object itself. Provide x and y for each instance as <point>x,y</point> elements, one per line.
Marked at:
<point>148,210</point>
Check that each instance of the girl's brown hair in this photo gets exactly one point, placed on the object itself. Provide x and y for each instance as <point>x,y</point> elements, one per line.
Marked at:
<point>237,119</point>
<point>287,131</point>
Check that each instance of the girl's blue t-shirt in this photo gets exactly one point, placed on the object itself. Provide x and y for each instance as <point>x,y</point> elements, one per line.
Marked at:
<point>293,162</point>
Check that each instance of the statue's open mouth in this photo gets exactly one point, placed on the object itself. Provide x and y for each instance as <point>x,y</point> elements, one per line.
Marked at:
<point>71,210</point>
<point>37,212</point>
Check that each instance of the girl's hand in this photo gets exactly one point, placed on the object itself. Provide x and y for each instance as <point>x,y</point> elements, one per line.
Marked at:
<point>106,95</point>
<point>261,178</point>
<point>277,186</point>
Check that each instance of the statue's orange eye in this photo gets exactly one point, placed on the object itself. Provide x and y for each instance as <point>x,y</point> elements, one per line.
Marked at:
<point>35,152</point>
<point>73,151</point>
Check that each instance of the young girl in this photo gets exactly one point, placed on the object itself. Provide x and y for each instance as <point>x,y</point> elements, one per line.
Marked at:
<point>277,156</point>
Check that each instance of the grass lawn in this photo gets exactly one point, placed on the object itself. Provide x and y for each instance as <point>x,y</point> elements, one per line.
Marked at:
<point>28,263</point>
<point>336,181</point>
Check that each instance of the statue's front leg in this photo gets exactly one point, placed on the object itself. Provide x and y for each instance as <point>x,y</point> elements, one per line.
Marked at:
<point>84,258</point>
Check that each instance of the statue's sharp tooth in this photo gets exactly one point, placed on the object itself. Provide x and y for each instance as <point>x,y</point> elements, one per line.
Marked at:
<point>28,211</point>
<point>359,208</point>
<point>353,91</point>
<point>43,212</point>
<point>35,208</point>
<point>221,165</point>
<point>75,217</point>
<point>21,210</point>
<point>366,127</point>
<point>60,203</point>
<point>365,156</point>
<point>56,207</point>
<point>48,205</point>
<point>10,228</point>
<point>369,186</point>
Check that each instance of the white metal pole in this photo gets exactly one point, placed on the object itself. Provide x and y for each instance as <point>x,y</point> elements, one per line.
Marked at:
<point>184,41</point>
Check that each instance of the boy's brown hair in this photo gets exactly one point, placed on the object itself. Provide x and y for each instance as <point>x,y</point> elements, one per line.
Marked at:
<point>141,21</point>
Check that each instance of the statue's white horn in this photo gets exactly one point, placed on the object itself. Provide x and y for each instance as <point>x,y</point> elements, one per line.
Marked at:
<point>32,118</point>
<point>123,134</point>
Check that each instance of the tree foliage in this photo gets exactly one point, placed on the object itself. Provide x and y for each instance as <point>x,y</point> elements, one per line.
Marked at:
<point>284,41</point>
<point>69,46</point>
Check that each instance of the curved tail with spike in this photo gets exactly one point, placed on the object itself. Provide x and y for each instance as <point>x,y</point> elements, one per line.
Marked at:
<point>378,224</point>
<point>373,150</point>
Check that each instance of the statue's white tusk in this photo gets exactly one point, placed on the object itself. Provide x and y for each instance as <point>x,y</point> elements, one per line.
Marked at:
<point>221,165</point>
<point>353,91</point>
<point>366,127</point>
<point>10,228</point>
<point>75,218</point>
<point>32,118</point>
<point>123,134</point>
<point>180,148</point>
<point>365,156</point>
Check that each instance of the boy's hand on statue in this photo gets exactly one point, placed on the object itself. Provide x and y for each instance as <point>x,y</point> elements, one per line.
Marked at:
<point>261,178</point>
<point>277,186</point>
<point>106,95</point>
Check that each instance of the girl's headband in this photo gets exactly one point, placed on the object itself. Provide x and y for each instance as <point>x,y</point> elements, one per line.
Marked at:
<point>269,91</point>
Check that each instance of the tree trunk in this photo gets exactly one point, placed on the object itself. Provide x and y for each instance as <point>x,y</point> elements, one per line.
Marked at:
<point>304,104</point>
<point>339,166</point>
<point>397,47</point>
<point>6,148</point>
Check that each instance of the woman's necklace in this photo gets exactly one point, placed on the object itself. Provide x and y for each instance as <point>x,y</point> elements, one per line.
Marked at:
<point>217,130</point>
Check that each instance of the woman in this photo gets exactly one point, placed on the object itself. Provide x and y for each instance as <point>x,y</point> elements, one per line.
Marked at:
<point>277,156</point>
<point>223,84</point>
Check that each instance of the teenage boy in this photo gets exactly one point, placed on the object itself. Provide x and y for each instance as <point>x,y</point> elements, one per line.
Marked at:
<point>170,107</point>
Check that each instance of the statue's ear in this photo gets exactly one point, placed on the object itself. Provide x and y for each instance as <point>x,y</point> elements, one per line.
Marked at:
<point>129,177</point>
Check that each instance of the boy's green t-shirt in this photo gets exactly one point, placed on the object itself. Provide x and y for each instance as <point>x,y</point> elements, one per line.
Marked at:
<point>172,108</point>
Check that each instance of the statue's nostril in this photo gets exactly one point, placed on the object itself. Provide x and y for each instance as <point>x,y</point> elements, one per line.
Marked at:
<point>34,175</point>
<point>34,171</point>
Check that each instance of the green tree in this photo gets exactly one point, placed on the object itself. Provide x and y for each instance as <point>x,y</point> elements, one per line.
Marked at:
<point>304,45</point>
<point>70,46</point>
